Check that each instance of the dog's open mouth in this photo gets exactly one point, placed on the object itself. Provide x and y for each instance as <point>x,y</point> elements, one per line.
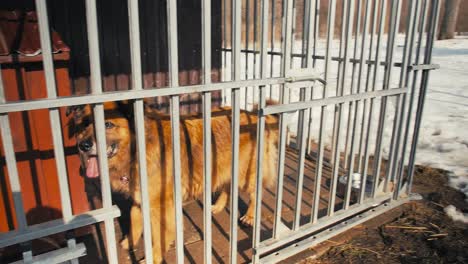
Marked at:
<point>92,167</point>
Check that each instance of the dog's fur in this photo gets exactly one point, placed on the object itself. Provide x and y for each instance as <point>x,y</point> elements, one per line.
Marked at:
<point>124,174</point>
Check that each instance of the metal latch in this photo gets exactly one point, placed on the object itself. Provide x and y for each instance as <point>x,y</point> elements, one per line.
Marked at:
<point>304,75</point>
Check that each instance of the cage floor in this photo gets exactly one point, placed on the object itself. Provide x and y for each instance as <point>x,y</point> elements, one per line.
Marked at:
<point>193,218</point>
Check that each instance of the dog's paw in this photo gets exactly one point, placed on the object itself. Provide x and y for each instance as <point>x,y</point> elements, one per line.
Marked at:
<point>125,244</point>
<point>247,220</point>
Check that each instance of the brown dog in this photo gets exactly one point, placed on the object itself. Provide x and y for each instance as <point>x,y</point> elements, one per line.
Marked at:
<point>124,169</point>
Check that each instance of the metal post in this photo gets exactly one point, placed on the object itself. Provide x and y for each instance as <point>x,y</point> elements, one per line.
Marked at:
<point>258,181</point>
<point>54,115</point>
<point>96,88</point>
<point>323,110</point>
<point>10,158</point>
<point>383,11</point>
<point>338,114</point>
<point>140,126</point>
<point>420,25</point>
<point>357,108</point>
<point>235,127</point>
<point>260,130</point>
<point>405,75</point>
<point>394,22</point>
<point>311,52</point>
<point>282,122</point>
<point>423,88</point>
<point>206,51</point>
<point>175,130</point>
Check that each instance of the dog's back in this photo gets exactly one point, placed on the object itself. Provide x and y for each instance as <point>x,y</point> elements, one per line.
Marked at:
<point>159,149</point>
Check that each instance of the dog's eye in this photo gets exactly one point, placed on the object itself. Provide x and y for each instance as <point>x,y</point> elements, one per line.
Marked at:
<point>109,125</point>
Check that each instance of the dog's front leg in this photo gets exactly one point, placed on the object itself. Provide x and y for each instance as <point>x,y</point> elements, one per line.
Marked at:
<point>136,228</point>
<point>163,229</point>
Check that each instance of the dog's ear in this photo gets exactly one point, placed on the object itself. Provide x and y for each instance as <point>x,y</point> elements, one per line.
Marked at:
<point>74,108</point>
<point>126,107</point>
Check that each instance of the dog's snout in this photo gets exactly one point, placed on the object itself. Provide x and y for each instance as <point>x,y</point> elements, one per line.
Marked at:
<point>85,145</point>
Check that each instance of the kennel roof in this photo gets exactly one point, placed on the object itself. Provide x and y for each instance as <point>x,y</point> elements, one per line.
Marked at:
<point>19,38</point>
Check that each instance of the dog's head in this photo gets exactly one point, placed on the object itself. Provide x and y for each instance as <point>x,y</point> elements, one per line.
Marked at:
<point>118,143</point>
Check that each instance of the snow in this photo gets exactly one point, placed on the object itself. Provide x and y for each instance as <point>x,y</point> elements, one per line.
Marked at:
<point>443,140</point>
<point>455,214</point>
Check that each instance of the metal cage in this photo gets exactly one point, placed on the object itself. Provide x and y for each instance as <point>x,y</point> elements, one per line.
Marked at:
<point>356,101</point>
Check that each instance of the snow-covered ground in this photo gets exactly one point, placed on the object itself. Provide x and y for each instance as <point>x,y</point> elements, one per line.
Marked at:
<point>443,140</point>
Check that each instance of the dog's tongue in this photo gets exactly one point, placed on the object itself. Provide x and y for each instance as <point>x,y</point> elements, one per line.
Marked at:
<point>92,170</point>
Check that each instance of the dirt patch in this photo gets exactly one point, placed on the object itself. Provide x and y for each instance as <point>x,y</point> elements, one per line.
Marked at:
<point>418,232</point>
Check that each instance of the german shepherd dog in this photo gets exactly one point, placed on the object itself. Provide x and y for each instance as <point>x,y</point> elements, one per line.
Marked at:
<point>123,166</point>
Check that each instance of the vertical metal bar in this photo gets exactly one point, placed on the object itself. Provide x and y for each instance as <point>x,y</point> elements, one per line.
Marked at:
<point>173,60</point>
<point>306,25</point>
<point>259,168</point>
<point>372,33</point>
<point>344,19</point>
<point>224,42</point>
<point>323,110</point>
<point>235,126</point>
<point>404,78</point>
<point>282,122</point>
<point>394,22</point>
<point>351,113</point>
<point>364,47</point>
<point>400,108</point>
<point>177,178</point>
<point>135,55</point>
<point>420,25</point>
<point>225,35</point>
<point>302,129</point>
<point>292,33</point>
<point>206,50</point>
<point>424,81</point>
<point>357,108</point>
<point>10,158</point>
<point>339,113</point>
<point>247,31</point>
<point>306,19</point>
<point>383,12</point>
<point>54,115</point>
<point>105,182</point>
<point>260,129</point>
<point>96,88</point>
<point>272,43</point>
<point>300,170</point>
<point>312,46</point>
<point>255,39</point>
<point>280,180</point>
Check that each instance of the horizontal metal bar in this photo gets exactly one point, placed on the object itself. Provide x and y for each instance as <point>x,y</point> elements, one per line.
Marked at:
<point>130,94</point>
<point>424,67</point>
<point>58,256</point>
<point>275,109</point>
<point>316,57</point>
<point>57,226</point>
<point>271,244</point>
<point>335,230</point>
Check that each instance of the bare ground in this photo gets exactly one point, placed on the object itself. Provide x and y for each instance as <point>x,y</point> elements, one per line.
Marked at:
<point>418,232</point>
